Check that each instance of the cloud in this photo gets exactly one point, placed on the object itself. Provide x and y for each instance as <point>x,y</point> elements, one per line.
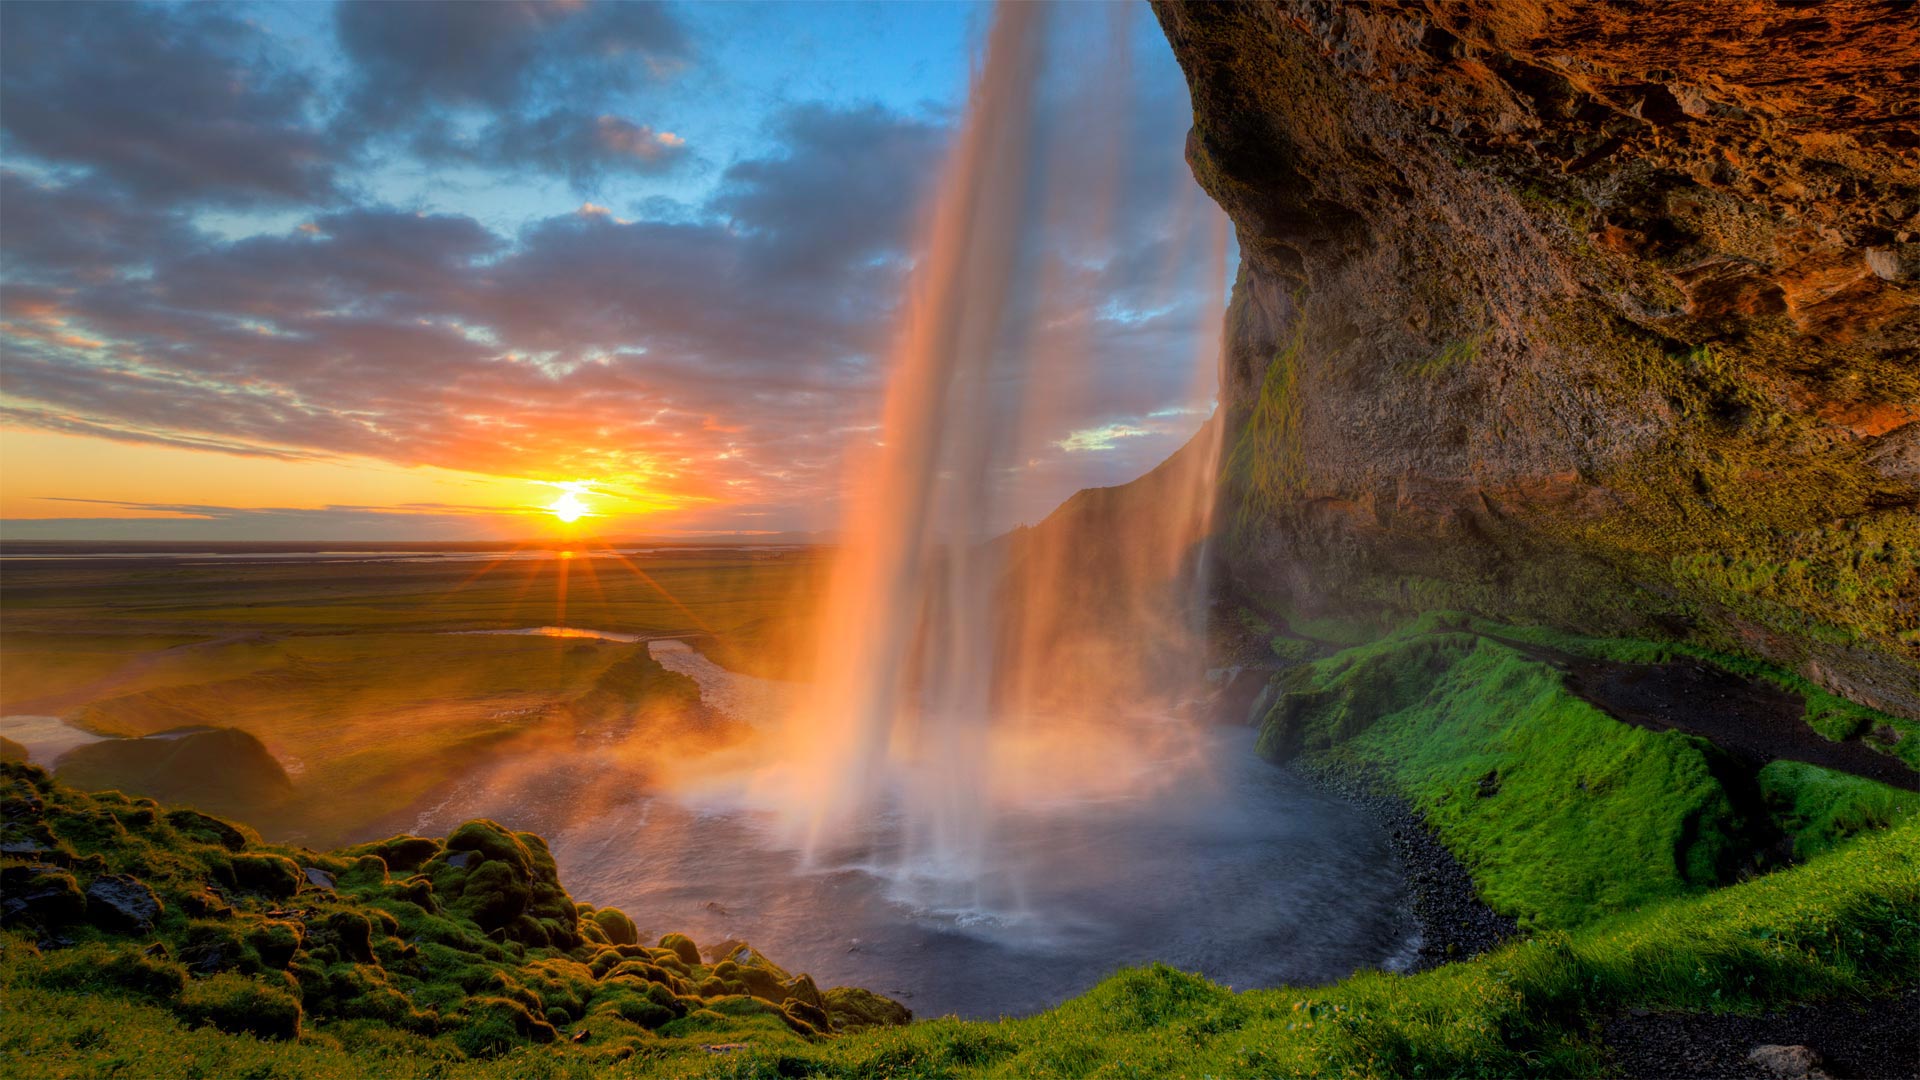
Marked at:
<point>844,191</point>
<point>721,352</point>
<point>512,85</point>
<point>167,103</point>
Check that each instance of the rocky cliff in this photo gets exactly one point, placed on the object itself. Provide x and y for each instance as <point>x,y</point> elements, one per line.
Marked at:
<point>1601,315</point>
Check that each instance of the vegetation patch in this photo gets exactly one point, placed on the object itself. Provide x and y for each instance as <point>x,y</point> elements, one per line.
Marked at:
<point>1561,813</point>
<point>130,926</point>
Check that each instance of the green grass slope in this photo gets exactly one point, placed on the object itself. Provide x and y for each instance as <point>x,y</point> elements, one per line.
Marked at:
<point>1562,814</point>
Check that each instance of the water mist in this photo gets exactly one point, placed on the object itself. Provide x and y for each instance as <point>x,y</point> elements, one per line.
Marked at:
<point>963,677</point>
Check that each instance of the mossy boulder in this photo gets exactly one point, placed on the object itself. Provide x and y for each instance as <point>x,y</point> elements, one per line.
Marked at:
<point>682,947</point>
<point>401,854</point>
<point>122,903</point>
<point>852,1008</point>
<point>206,829</point>
<point>507,883</point>
<point>615,924</point>
<point>259,872</point>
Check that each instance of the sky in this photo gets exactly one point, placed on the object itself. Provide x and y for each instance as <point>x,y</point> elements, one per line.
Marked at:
<point>420,270</point>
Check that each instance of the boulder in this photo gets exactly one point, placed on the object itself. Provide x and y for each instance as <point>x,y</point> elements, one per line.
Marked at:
<point>42,896</point>
<point>123,904</point>
<point>1789,1062</point>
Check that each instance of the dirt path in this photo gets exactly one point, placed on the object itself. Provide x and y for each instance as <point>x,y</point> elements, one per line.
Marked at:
<point>1754,720</point>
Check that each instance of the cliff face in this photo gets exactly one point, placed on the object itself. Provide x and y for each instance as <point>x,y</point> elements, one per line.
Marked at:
<point>1604,316</point>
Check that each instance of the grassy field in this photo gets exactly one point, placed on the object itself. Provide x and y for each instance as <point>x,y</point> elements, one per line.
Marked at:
<point>349,673</point>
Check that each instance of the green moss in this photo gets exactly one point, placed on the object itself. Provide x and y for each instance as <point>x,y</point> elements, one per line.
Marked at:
<point>1456,353</point>
<point>365,962</point>
<point>615,924</point>
<point>1562,813</point>
<point>683,947</point>
<point>1266,463</point>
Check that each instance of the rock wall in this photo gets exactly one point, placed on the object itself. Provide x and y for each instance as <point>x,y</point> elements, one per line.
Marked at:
<point>1607,316</point>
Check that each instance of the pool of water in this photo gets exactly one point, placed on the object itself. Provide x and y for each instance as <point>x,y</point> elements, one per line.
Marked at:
<point>1229,867</point>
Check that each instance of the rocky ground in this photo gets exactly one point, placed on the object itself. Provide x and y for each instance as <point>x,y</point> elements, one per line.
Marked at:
<point>1454,923</point>
<point>1878,1039</point>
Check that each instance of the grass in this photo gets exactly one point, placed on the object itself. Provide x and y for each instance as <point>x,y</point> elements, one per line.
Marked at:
<point>1561,813</point>
<point>1820,808</point>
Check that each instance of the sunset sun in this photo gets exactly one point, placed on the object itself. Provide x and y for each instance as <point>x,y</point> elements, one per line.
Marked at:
<point>569,507</point>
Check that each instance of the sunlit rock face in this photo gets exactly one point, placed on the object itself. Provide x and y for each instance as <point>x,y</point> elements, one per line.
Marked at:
<point>1600,315</point>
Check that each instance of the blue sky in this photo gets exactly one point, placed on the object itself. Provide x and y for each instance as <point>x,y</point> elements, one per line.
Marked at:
<point>393,270</point>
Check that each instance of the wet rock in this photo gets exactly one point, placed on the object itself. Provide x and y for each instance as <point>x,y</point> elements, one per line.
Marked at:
<point>29,841</point>
<point>122,903</point>
<point>42,896</point>
<point>461,860</point>
<point>319,878</point>
<point>1788,1062</point>
<point>1625,210</point>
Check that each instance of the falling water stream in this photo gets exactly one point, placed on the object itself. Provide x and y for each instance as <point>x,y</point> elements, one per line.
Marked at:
<point>996,788</point>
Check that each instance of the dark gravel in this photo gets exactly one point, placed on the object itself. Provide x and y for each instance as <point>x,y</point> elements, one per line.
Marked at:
<point>1874,1040</point>
<point>1454,923</point>
<point>1752,719</point>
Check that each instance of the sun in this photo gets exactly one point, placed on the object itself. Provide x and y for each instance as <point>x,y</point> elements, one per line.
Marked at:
<point>568,507</point>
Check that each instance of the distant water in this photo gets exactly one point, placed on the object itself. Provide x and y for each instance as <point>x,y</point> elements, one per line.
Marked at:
<point>45,737</point>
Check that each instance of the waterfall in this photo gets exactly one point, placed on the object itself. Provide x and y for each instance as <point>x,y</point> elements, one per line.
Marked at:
<point>956,670</point>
